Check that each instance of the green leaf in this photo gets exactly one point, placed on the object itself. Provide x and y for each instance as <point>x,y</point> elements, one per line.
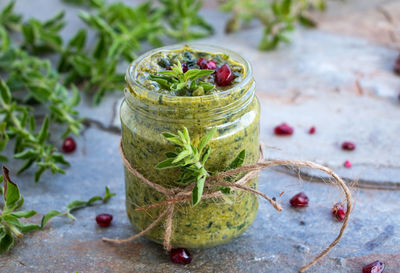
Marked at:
<point>6,241</point>
<point>76,204</point>
<point>108,195</point>
<point>49,215</point>
<point>25,213</point>
<point>79,40</point>
<point>286,6</point>
<point>205,155</point>
<point>198,191</point>
<point>11,191</point>
<point>204,141</point>
<point>10,219</point>
<point>307,22</point>
<point>165,164</point>
<point>238,161</point>
<point>170,154</point>
<point>44,131</point>
<point>5,92</point>
<point>29,228</point>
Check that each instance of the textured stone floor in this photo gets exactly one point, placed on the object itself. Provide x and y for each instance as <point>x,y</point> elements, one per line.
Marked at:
<point>337,77</point>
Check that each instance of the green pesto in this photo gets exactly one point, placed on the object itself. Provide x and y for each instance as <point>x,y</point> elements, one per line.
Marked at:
<point>145,115</point>
<point>161,60</point>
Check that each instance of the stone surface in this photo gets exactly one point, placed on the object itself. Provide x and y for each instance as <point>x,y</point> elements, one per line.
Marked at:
<point>338,78</point>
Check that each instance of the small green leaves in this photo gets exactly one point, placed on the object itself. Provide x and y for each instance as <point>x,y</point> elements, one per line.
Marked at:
<point>190,159</point>
<point>11,227</point>
<point>183,83</point>
<point>278,16</point>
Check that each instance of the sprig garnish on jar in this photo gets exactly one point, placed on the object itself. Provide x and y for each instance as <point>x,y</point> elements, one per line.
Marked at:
<point>184,83</point>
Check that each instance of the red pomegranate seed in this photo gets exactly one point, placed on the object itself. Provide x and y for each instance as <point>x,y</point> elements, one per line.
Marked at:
<point>396,67</point>
<point>212,65</point>
<point>299,200</point>
<point>104,219</point>
<point>375,267</point>
<point>180,256</point>
<point>201,61</point>
<point>206,65</point>
<point>347,164</point>
<point>312,130</point>
<point>223,76</point>
<point>339,211</point>
<point>283,130</point>
<point>69,145</point>
<point>348,146</point>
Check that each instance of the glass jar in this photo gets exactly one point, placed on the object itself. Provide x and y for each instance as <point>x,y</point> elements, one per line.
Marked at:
<point>146,114</point>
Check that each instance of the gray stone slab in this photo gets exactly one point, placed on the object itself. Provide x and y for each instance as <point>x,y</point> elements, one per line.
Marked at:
<point>309,82</point>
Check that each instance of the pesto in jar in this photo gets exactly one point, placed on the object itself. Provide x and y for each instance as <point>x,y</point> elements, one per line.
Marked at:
<point>149,110</point>
<point>189,59</point>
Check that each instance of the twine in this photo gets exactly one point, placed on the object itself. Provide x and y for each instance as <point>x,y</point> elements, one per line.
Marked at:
<point>178,195</point>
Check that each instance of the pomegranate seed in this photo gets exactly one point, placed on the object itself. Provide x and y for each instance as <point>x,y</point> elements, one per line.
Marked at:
<point>339,211</point>
<point>201,61</point>
<point>69,145</point>
<point>375,267</point>
<point>206,65</point>
<point>299,200</point>
<point>104,219</point>
<point>348,146</point>
<point>347,164</point>
<point>180,256</point>
<point>223,76</point>
<point>283,130</point>
<point>396,67</point>
<point>212,65</point>
<point>312,130</point>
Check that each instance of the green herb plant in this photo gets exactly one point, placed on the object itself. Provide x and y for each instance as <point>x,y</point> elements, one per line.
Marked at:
<point>121,30</point>
<point>191,160</point>
<point>184,83</point>
<point>10,225</point>
<point>28,86</point>
<point>184,22</point>
<point>279,17</point>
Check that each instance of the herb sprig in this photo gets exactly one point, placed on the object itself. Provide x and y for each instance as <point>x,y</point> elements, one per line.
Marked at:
<point>10,225</point>
<point>184,83</point>
<point>279,17</point>
<point>192,159</point>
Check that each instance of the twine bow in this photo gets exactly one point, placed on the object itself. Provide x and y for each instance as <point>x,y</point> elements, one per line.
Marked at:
<point>178,195</point>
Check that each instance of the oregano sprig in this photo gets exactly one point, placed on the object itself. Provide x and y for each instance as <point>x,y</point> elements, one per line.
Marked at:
<point>279,17</point>
<point>191,161</point>
<point>10,225</point>
<point>184,82</point>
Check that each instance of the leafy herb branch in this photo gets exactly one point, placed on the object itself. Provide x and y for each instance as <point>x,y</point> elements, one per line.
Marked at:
<point>192,159</point>
<point>184,82</point>
<point>10,224</point>
<point>279,17</point>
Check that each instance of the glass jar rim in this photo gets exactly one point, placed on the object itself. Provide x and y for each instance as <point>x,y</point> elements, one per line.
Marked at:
<point>142,90</point>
